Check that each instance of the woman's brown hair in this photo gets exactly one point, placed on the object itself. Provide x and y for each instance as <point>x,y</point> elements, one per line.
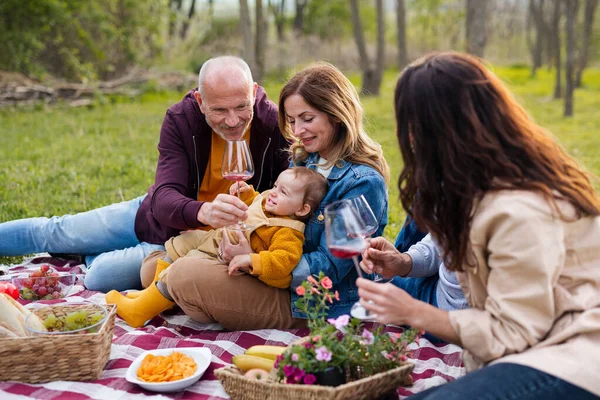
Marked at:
<point>325,88</point>
<point>462,135</point>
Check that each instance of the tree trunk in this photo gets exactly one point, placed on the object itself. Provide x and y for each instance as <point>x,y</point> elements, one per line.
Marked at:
<point>261,43</point>
<point>174,8</point>
<point>476,31</point>
<point>246,32</point>
<point>277,8</point>
<point>557,48</point>
<point>536,10</point>
<point>571,13</point>
<point>401,33</point>
<point>299,18</point>
<point>588,24</point>
<point>369,78</point>
<point>186,23</point>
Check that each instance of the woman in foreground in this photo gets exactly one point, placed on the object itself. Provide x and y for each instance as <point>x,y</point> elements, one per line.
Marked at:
<point>518,220</point>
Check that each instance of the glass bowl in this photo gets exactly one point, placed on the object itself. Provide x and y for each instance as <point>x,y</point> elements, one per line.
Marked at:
<point>68,318</point>
<point>55,285</point>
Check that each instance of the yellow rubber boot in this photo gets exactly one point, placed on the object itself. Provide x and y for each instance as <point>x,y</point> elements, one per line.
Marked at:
<point>161,265</point>
<point>137,311</point>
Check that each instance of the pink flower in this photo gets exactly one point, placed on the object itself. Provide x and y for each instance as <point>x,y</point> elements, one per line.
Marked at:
<point>368,337</point>
<point>278,359</point>
<point>289,370</point>
<point>323,354</point>
<point>340,322</point>
<point>312,280</point>
<point>315,291</point>
<point>299,375</point>
<point>295,357</point>
<point>309,379</point>
<point>337,296</point>
<point>300,291</point>
<point>326,283</point>
<point>316,338</point>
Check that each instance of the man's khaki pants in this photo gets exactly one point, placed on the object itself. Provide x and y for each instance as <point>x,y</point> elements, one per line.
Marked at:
<point>206,292</point>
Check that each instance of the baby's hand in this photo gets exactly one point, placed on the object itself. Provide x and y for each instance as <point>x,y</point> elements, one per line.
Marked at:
<point>241,262</point>
<point>243,187</point>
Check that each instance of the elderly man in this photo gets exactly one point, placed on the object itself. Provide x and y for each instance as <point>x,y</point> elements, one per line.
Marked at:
<point>189,191</point>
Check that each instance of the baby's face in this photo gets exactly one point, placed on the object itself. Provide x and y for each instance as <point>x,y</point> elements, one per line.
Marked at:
<point>286,197</point>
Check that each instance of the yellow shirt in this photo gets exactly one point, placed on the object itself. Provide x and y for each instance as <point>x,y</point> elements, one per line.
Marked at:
<point>213,182</point>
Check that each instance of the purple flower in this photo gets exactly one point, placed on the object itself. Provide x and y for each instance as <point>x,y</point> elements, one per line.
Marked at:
<point>299,375</point>
<point>309,379</point>
<point>295,357</point>
<point>340,322</point>
<point>289,370</point>
<point>368,337</point>
<point>323,354</point>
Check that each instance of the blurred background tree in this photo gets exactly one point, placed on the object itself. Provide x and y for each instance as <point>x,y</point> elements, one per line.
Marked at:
<point>88,41</point>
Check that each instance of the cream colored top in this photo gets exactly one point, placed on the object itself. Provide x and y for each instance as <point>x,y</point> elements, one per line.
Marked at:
<point>535,290</point>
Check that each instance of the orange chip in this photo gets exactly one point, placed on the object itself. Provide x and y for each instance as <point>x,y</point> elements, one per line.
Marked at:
<point>169,368</point>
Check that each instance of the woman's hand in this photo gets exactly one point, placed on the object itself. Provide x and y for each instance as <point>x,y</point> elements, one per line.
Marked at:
<point>392,305</point>
<point>381,257</point>
<point>389,303</point>
<point>227,250</point>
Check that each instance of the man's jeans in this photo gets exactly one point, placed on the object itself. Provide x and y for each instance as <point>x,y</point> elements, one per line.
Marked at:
<point>504,381</point>
<point>105,235</point>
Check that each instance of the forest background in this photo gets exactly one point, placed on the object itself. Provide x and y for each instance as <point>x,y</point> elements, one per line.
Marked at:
<point>84,85</point>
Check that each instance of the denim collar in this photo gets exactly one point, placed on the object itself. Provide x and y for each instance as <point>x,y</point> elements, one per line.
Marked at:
<point>338,170</point>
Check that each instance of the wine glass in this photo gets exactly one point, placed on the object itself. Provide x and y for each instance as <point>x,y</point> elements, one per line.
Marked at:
<point>237,166</point>
<point>370,225</point>
<point>344,230</point>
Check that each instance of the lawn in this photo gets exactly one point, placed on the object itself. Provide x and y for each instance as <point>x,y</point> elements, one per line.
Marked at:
<point>60,160</point>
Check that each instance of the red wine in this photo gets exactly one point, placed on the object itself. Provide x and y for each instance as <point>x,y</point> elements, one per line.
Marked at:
<point>345,252</point>
<point>235,176</point>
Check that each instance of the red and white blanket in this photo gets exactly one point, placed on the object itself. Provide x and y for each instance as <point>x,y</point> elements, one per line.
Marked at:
<point>435,364</point>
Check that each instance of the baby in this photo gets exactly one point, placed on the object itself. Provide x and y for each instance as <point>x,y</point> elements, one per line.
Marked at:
<point>276,218</point>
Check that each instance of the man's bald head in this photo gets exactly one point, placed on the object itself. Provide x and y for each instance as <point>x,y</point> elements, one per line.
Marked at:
<point>226,95</point>
<point>224,70</point>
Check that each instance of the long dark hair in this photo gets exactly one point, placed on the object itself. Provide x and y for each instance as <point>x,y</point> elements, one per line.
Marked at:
<point>461,135</point>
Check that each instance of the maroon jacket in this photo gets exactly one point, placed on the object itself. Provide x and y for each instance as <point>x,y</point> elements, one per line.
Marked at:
<point>184,149</point>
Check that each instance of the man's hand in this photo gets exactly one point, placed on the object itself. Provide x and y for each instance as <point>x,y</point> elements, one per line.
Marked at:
<point>241,262</point>
<point>381,257</point>
<point>243,187</point>
<point>228,251</point>
<point>224,210</point>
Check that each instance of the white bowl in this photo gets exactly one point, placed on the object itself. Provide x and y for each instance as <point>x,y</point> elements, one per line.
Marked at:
<point>201,356</point>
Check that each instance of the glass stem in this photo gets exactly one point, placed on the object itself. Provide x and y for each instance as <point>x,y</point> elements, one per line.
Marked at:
<point>240,222</point>
<point>356,264</point>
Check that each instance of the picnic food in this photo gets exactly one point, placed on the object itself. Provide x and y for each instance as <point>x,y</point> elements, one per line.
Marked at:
<point>9,289</point>
<point>265,351</point>
<point>169,368</point>
<point>73,321</point>
<point>257,373</point>
<point>12,318</point>
<point>43,284</point>
<point>246,362</point>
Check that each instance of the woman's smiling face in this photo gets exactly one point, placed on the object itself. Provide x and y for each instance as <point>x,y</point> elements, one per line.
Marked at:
<point>311,126</point>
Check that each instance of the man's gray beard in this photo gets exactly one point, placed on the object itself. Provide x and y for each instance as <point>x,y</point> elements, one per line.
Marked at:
<point>243,131</point>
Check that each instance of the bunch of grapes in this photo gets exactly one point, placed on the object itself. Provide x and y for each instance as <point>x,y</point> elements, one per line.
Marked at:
<point>73,321</point>
<point>42,284</point>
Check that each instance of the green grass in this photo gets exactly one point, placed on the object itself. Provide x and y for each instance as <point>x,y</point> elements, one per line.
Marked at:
<point>55,161</point>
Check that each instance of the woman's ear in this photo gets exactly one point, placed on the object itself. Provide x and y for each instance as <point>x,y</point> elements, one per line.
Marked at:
<point>303,211</point>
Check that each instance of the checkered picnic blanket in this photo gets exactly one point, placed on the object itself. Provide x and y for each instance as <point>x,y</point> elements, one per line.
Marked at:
<point>435,364</point>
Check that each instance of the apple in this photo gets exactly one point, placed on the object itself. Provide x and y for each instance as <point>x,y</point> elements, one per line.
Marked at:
<point>257,374</point>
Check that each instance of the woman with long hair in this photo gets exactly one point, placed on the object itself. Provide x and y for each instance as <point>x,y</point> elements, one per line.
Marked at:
<point>515,217</point>
<point>320,112</point>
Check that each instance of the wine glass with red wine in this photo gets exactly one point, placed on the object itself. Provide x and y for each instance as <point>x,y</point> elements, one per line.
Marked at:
<point>237,166</point>
<point>344,230</point>
<point>370,225</point>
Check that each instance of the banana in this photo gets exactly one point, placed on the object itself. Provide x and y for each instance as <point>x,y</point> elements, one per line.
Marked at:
<point>270,352</point>
<point>246,362</point>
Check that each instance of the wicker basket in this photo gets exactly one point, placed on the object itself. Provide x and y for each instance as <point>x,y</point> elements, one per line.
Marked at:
<point>45,358</point>
<point>238,386</point>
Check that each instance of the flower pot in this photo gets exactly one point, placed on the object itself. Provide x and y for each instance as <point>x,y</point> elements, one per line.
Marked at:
<point>331,376</point>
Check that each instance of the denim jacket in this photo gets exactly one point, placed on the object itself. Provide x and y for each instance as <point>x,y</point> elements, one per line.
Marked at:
<point>346,181</point>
